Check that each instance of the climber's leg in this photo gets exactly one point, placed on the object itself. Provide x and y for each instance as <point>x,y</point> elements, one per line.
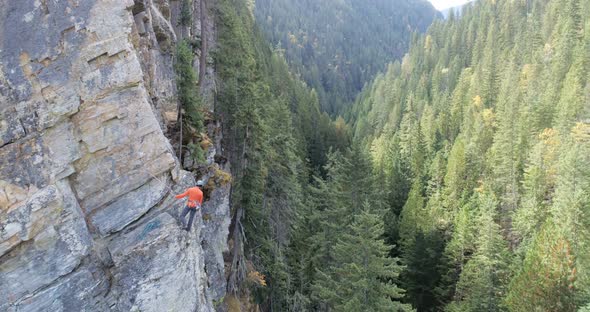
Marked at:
<point>190,219</point>
<point>183,215</point>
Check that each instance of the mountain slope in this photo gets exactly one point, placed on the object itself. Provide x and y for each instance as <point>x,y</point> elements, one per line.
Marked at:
<point>337,46</point>
<point>481,135</point>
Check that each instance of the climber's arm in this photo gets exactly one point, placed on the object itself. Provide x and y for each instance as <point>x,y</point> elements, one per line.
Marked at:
<point>183,195</point>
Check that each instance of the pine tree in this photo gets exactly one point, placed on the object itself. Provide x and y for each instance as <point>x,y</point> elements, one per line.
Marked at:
<point>477,140</point>
<point>257,100</point>
<point>411,142</point>
<point>493,96</point>
<point>186,81</point>
<point>571,100</point>
<point>332,219</point>
<point>571,207</point>
<point>397,186</point>
<point>483,280</point>
<point>363,276</point>
<point>456,182</point>
<point>421,275</point>
<point>489,76</point>
<point>545,280</point>
<point>412,217</point>
<point>339,59</point>
<point>303,250</point>
<point>457,252</point>
<point>539,183</point>
<point>506,150</point>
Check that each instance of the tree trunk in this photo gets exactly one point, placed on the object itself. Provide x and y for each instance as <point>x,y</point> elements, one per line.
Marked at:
<point>203,60</point>
<point>236,274</point>
<point>180,141</point>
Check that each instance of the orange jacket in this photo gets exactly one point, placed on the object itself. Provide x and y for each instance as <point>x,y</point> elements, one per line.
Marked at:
<point>195,196</point>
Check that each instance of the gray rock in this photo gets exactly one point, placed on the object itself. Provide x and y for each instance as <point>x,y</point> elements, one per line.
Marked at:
<point>157,59</point>
<point>214,235</point>
<point>159,267</point>
<point>47,238</point>
<point>209,86</point>
<point>10,128</point>
<point>83,290</point>
<point>87,91</point>
<point>127,147</point>
<point>62,149</point>
<point>25,165</point>
<point>162,28</point>
<point>128,208</point>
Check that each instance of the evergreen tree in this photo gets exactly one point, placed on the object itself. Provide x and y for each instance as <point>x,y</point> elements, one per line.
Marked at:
<point>412,216</point>
<point>483,280</point>
<point>186,81</point>
<point>571,207</point>
<point>545,279</point>
<point>457,252</point>
<point>397,186</point>
<point>539,183</point>
<point>489,107</point>
<point>363,265</point>
<point>456,179</point>
<point>506,150</point>
<point>259,101</point>
<point>421,275</point>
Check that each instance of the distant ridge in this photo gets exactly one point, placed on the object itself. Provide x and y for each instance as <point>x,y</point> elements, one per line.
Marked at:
<point>446,12</point>
<point>337,46</point>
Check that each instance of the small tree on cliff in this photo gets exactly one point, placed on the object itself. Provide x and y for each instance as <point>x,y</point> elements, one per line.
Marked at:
<point>188,96</point>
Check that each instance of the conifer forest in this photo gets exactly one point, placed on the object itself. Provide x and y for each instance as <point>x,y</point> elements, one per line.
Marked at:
<point>457,179</point>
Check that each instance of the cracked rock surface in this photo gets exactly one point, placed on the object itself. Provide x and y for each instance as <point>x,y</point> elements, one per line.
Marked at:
<point>88,221</point>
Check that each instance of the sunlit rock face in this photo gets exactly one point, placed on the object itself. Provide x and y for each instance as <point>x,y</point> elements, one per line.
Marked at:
<point>88,221</point>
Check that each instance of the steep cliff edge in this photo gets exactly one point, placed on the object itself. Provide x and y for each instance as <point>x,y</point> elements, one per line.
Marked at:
<point>87,217</point>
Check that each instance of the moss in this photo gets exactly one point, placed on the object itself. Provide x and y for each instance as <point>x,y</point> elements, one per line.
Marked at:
<point>218,302</point>
<point>206,142</point>
<point>218,178</point>
<point>222,177</point>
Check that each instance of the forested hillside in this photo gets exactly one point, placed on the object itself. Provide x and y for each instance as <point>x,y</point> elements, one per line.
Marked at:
<point>459,181</point>
<point>276,135</point>
<point>337,46</point>
<point>302,201</point>
<point>480,138</point>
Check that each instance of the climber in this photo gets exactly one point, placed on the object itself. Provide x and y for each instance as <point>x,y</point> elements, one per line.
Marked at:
<point>195,200</point>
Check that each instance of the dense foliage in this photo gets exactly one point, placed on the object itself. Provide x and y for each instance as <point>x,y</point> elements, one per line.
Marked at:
<point>337,46</point>
<point>482,136</point>
<point>338,259</point>
<point>466,186</point>
<point>276,136</point>
<point>188,98</point>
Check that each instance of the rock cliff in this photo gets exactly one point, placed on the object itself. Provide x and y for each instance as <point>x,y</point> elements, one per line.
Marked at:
<point>88,221</point>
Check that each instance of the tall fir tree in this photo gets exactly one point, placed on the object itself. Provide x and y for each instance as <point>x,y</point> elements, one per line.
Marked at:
<point>484,278</point>
<point>363,265</point>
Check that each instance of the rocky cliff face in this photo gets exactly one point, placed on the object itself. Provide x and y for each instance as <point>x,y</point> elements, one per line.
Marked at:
<point>87,170</point>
